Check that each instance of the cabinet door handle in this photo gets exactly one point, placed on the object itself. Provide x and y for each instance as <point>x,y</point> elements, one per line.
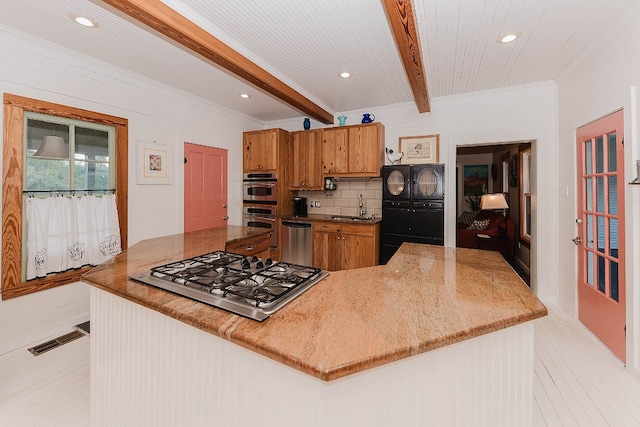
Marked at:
<point>250,248</point>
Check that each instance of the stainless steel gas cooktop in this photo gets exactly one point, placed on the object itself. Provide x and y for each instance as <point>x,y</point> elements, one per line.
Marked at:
<point>248,286</point>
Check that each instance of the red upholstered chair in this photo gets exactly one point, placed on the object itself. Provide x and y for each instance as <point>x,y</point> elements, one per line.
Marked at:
<point>499,228</point>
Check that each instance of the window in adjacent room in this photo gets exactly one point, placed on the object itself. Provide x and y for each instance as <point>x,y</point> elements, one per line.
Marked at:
<point>525,195</point>
<point>505,173</point>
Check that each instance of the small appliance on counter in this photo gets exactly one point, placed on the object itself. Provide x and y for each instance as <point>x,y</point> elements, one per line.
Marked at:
<point>300,206</point>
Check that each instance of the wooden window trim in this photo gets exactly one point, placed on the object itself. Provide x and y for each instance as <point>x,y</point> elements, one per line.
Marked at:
<point>504,158</point>
<point>522,149</point>
<point>12,181</point>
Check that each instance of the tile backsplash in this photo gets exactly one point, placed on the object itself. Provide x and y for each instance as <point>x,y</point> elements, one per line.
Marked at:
<point>344,200</point>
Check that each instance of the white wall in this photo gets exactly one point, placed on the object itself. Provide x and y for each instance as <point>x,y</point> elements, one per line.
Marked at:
<point>36,69</point>
<point>524,113</point>
<point>605,79</point>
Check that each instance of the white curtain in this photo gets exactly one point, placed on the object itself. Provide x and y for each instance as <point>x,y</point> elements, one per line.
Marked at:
<point>70,232</point>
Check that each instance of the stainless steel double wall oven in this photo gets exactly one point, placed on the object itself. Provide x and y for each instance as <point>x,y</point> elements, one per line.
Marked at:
<point>260,206</point>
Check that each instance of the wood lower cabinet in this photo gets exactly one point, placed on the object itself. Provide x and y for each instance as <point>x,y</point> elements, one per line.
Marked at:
<point>338,246</point>
<point>305,172</point>
<point>250,246</point>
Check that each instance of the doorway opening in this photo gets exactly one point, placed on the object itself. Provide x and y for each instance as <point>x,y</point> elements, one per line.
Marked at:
<point>497,168</point>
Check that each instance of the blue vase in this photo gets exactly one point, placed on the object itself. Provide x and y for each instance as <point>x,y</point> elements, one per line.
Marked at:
<point>366,118</point>
<point>306,124</point>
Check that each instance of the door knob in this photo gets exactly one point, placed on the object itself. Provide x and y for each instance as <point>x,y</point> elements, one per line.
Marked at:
<point>578,221</point>
<point>225,217</point>
<point>577,240</point>
<point>224,206</point>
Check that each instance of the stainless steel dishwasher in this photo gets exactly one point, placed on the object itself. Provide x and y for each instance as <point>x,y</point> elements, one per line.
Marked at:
<point>297,242</point>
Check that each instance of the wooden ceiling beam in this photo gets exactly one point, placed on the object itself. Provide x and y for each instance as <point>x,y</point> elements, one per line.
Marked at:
<point>403,24</point>
<point>168,22</point>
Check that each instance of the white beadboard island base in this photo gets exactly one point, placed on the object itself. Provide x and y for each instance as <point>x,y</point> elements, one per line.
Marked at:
<point>148,369</point>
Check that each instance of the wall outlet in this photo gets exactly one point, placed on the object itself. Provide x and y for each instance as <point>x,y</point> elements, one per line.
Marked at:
<point>315,203</point>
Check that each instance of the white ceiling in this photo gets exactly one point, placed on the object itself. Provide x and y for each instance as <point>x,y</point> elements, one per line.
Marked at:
<point>307,43</point>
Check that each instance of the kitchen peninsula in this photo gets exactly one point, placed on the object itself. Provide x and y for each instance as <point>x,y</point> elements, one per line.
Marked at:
<point>438,336</point>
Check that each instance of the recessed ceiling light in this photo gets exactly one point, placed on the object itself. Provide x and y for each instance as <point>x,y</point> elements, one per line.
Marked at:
<point>345,74</point>
<point>245,95</point>
<point>508,38</point>
<point>84,21</point>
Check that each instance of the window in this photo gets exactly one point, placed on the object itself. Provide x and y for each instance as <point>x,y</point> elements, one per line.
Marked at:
<point>525,194</point>
<point>64,154</point>
<point>94,140</point>
<point>504,161</point>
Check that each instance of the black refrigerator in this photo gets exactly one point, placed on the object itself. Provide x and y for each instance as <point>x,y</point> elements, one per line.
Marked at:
<point>412,206</point>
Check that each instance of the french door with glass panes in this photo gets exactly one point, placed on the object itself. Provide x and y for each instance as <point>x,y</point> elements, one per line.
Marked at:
<point>600,240</point>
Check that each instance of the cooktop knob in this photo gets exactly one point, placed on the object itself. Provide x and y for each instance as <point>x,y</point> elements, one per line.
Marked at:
<point>259,264</point>
<point>245,264</point>
<point>269,261</point>
<point>254,259</point>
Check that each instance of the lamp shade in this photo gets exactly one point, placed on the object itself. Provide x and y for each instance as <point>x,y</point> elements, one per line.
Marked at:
<point>493,201</point>
<point>53,146</point>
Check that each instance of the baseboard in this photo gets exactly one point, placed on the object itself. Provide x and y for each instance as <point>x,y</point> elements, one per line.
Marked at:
<point>522,265</point>
<point>635,374</point>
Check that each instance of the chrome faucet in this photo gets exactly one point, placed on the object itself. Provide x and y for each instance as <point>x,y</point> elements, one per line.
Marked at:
<point>363,211</point>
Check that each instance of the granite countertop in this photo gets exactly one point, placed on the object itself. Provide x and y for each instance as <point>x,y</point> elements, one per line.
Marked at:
<point>334,218</point>
<point>425,298</point>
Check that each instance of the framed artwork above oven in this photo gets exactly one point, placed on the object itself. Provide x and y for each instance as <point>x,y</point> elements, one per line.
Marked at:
<point>154,163</point>
<point>419,149</point>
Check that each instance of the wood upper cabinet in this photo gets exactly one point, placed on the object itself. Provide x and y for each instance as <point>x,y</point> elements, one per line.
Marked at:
<point>260,150</point>
<point>356,150</point>
<point>366,149</point>
<point>338,246</point>
<point>335,151</point>
<point>305,171</point>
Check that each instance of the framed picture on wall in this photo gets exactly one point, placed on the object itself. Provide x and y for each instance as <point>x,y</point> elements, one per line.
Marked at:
<point>513,172</point>
<point>153,163</point>
<point>476,180</point>
<point>419,149</point>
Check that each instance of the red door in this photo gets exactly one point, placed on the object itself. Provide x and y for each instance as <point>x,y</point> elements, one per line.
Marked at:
<point>601,264</point>
<point>205,187</point>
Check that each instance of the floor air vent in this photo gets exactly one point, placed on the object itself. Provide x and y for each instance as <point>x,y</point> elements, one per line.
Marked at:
<point>84,327</point>
<point>56,342</point>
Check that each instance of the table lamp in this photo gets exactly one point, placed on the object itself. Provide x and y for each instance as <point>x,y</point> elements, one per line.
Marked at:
<point>496,202</point>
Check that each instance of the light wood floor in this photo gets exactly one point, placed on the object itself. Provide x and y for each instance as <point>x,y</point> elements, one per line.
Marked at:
<point>48,390</point>
<point>577,382</point>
